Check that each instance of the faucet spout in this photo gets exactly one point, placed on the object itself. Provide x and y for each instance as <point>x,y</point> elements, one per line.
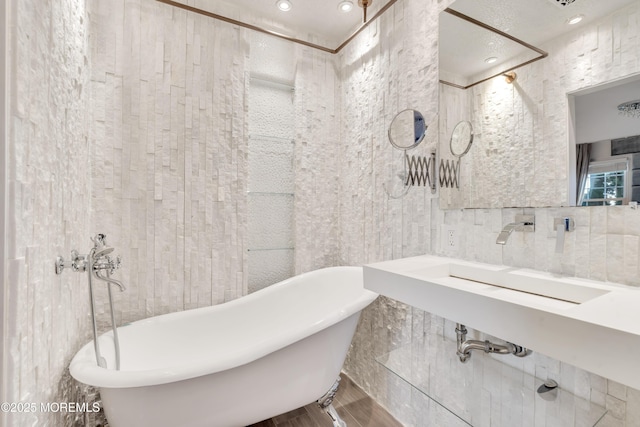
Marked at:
<point>108,279</point>
<point>506,232</point>
<point>523,223</point>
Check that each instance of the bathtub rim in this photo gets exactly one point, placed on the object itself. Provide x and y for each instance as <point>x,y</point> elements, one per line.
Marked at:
<point>84,369</point>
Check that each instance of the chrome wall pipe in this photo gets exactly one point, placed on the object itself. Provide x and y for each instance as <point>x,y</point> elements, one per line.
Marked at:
<point>465,346</point>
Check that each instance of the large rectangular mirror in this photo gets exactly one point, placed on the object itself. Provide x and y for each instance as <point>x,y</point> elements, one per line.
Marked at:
<point>523,152</point>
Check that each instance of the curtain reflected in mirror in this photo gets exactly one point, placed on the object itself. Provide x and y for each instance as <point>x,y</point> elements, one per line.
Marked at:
<point>583,153</point>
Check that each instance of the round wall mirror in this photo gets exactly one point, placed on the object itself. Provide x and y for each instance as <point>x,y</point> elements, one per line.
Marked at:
<point>461,139</point>
<point>407,129</point>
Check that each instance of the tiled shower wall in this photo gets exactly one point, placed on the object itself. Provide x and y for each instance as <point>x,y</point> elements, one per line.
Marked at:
<point>317,169</point>
<point>603,247</point>
<point>170,134</point>
<point>48,201</point>
<point>169,154</point>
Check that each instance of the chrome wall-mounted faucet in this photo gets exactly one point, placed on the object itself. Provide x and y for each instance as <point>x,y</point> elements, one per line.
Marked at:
<point>523,223</point>
<point>99,265</point>
<point>561,226</point>
<point>100,261</point>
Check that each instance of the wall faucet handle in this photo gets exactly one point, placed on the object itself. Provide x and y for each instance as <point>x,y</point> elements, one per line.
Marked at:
<point>566,222</point>
<point>77,263</point>
<point>114,264</point>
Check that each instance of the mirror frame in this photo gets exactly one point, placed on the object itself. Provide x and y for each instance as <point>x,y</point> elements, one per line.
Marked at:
<point>469,142</point>
<point>417,141</point>
<point>541,53</point>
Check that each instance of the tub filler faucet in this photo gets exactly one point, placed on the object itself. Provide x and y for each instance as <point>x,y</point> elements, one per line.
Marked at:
<point>101,264</point>
<point>523,223</point>
<point>98,265</point>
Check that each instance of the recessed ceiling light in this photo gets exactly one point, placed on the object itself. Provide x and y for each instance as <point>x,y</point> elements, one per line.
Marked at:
<point>284,5</point>
<point>491,60</point>
<point>575,19</point>
<point>345,6</point>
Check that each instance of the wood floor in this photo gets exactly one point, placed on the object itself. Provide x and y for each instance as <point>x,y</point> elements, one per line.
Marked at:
<point>355,407</point>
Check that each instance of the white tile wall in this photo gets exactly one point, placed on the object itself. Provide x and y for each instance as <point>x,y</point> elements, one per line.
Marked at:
<point>317,165</point>
<point>48,201</point>
<point>169,154</point>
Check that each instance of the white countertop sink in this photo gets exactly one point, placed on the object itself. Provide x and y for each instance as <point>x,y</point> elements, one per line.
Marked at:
<point>591,325</point>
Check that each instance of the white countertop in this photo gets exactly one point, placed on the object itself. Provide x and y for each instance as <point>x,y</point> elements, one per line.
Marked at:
<point>592,325</point>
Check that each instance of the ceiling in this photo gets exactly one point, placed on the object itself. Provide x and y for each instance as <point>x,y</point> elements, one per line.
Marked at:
<point>536,21</point>
<point>316,21</point>
<point>464,46</point>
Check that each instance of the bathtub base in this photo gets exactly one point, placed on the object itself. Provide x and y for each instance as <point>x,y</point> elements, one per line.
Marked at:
<point>326,403</point>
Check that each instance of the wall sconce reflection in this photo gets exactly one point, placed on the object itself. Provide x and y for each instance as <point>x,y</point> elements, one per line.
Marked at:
<point>510,77</point>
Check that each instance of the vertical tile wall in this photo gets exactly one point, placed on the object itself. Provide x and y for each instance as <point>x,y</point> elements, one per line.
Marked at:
<point>317,165</point>
<point>604,246</point>
<point>390,67</point>
<point>169,154</point>
<point>49,200</point>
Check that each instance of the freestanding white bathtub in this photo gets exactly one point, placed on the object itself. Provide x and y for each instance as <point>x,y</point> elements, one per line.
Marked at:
<point>233,364</point>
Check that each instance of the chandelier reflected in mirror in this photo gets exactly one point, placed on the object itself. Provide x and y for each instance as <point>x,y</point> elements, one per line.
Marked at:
<point>630,109</point>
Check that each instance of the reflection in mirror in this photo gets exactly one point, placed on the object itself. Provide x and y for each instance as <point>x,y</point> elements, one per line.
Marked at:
<point>395,181</point>
<point>407,129</point>
<point>472,52</point>
<point>608,144</point>
<point>461,138</point>
<point>524,148</point>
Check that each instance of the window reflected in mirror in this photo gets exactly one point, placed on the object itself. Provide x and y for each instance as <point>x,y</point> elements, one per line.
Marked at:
<point>610,142</point>
<point>606,184</point>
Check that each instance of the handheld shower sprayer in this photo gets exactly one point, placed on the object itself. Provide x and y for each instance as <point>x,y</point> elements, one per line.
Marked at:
<point>99,265</point>
<point>102,252</point>
<point>100,247</point>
